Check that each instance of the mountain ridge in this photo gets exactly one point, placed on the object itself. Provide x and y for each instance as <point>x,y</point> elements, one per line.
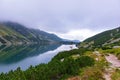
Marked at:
<point>12,33</point>
<point>108,37</point>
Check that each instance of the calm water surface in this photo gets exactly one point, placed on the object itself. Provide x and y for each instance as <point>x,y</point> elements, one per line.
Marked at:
<point>24,56</point>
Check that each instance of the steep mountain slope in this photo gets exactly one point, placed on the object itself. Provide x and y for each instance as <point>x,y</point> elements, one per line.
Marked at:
<point>14,33</point>
<point>110,37</point>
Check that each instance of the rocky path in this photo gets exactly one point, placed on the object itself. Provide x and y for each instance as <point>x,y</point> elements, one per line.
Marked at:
<point>115,63</point>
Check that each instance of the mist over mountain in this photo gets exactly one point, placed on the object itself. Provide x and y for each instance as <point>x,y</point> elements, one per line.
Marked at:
<point>12,33</point>
<point>15,33</point>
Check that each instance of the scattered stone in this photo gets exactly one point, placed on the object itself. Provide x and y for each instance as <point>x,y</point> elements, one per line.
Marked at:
<point>74,78</point>
<point>62,60</point>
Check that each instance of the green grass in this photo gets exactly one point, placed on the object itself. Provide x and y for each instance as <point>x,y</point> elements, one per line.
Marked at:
<point>115,51</point>
<point>5,31</point>
<point>116,75</point>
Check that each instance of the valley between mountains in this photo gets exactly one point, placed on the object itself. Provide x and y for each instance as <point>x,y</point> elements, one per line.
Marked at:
<point>96,58</point>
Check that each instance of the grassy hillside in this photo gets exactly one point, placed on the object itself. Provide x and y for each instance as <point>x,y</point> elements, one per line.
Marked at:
<point>14,33</point>
<point>102,39</point>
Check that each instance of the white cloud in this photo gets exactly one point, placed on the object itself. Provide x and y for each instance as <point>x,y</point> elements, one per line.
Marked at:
<point>63,16</point>
<point>80,34</point>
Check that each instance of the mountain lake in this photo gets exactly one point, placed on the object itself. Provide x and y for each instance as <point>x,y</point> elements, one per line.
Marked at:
<point>12,57</point>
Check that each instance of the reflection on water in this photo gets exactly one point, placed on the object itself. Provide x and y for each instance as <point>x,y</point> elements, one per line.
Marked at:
<point>12,57</point>
<point>15,54</point>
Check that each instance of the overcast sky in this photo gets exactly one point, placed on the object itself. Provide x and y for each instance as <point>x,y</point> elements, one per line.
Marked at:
<point>70,19</point>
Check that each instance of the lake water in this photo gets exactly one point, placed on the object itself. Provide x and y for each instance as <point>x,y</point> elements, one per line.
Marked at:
<point>24,56</point>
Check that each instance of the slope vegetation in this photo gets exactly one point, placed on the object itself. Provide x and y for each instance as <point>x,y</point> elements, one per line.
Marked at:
<point>14,33</point>
<point>105,38</point>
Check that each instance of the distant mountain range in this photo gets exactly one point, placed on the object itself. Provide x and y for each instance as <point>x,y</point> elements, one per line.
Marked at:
<point>65,41</point>
<point>12,33</point>
<point>107,38</point>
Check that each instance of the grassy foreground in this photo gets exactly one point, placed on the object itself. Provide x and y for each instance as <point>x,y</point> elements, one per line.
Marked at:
<point>81,63</point>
